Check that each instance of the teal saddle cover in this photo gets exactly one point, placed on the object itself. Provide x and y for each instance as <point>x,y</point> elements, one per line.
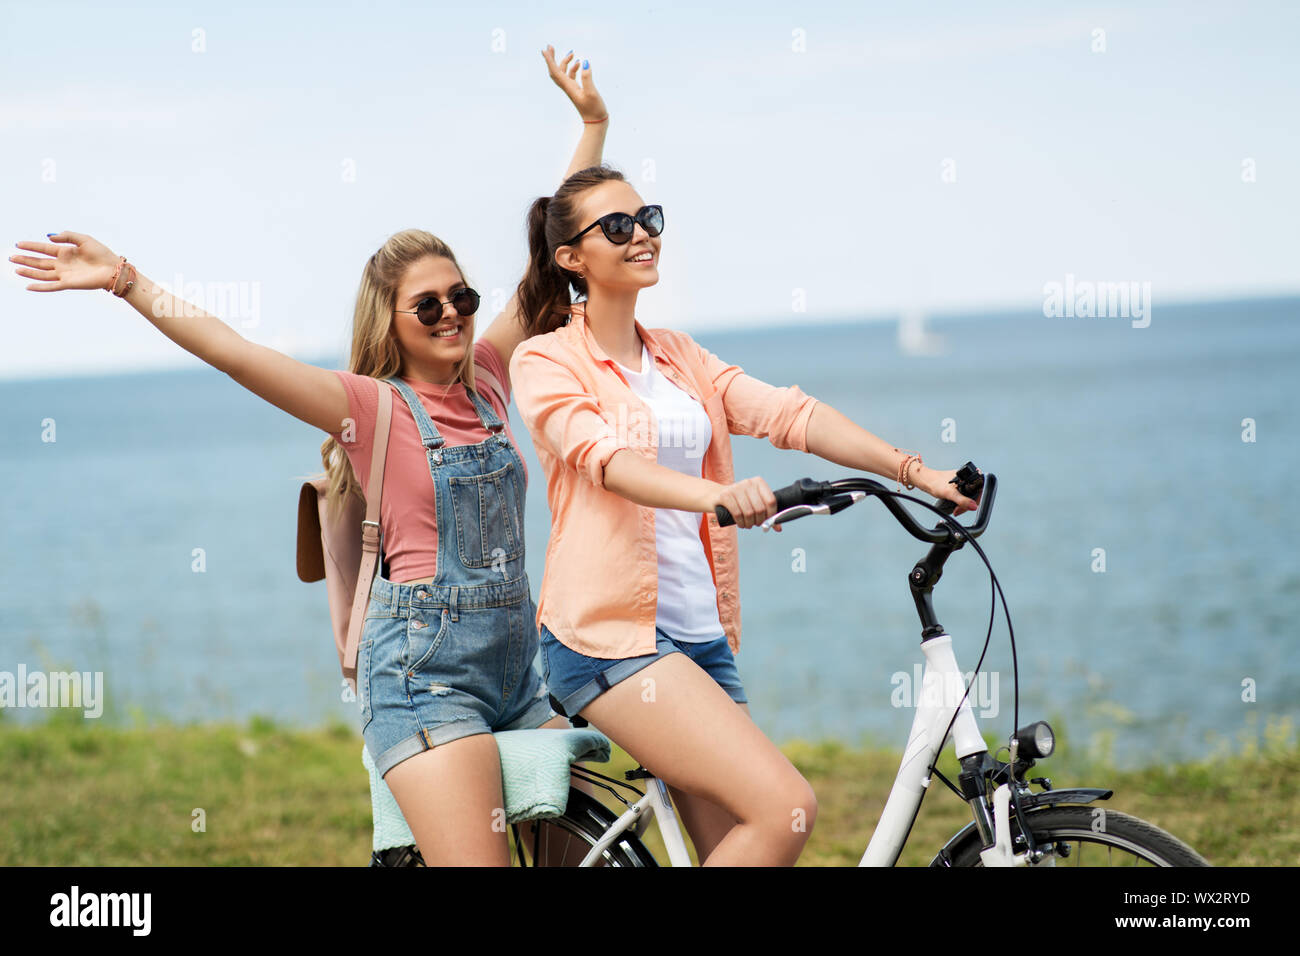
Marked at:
<point>534,775</point>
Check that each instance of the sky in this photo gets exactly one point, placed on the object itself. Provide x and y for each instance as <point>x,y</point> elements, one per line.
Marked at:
<point>815,161</point>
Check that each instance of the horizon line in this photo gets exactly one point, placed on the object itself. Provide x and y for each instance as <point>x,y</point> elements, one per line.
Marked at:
<point>185,361</point>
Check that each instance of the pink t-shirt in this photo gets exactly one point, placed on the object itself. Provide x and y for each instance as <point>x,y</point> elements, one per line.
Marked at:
<point>406,512</point>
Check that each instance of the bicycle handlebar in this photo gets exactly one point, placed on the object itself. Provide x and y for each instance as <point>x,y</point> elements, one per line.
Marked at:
<point>806,496</point>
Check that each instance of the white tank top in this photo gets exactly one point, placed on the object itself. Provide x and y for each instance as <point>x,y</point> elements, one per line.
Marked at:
<point>688,600</point>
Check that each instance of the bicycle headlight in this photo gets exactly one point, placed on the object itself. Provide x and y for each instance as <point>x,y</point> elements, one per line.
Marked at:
<point>1036,740</point>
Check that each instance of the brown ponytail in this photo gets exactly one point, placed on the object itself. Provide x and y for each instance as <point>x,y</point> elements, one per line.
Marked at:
<point>544,291</point>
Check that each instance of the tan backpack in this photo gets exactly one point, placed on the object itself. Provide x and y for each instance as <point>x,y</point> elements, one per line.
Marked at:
<point>344,547</point>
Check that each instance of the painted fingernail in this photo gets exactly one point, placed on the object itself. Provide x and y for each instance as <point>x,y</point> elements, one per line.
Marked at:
<point>48,234</point>
<point>585,64</point>
<point>568,53</point>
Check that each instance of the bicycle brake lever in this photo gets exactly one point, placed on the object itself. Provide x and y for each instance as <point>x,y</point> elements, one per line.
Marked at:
<point>829,506</point>
<point>789,514</point>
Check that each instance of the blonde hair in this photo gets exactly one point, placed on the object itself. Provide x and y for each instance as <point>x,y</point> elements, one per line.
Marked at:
<point>374,348</point>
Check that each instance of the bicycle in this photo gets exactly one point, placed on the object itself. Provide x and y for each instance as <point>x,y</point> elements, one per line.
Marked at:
<point>1012,824</point>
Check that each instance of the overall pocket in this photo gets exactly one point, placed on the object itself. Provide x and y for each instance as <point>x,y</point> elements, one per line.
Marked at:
<point>487,510</point>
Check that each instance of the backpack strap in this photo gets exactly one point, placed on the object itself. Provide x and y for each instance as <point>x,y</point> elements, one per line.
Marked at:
<point>489,380</point>
<point>369,527</point>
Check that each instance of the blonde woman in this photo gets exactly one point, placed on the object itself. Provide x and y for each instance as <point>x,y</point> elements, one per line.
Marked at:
<point>446,653</point>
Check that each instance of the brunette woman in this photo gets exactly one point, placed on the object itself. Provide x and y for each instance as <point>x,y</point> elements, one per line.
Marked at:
<point>632,426</point>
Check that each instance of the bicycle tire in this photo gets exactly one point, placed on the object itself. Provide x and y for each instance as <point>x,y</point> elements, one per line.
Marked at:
<point>584,822</point>
<point>397,856</point>
<point>1056,825</point>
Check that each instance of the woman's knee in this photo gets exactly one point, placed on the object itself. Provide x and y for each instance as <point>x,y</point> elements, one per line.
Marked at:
<point>786,807</point>
<point>805,812</point>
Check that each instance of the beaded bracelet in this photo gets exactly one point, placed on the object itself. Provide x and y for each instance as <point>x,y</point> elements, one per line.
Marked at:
<point>906,482</point>
<point>906,463</point>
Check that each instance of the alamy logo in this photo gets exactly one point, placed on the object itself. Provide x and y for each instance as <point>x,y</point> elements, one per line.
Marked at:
<point>1085,299</point>
<point>636,426</point>
<point>936,689</point>
<point>55,689</point>
<point>102,909</point>
<point>238,300</point>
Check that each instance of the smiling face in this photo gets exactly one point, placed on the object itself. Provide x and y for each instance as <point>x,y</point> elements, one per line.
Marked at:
<point>634,265</point>
<point>431,352</point>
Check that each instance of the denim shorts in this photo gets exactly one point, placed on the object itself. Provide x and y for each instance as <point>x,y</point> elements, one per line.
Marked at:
<point>436,663</point>
<point>576,679</point>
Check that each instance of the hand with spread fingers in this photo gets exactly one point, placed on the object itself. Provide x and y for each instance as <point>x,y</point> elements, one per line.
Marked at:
<point>70,260</point>
<point>584,96</point>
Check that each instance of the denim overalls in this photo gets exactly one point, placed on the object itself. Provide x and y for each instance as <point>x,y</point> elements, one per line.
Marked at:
<point>445,660</point>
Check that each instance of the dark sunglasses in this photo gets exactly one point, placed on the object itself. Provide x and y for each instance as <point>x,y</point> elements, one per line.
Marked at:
<point>618,226</point>
<point>429,310</point>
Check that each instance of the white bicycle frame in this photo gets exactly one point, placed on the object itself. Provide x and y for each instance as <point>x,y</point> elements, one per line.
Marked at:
<point>656,804</point>
<point>942,685</point>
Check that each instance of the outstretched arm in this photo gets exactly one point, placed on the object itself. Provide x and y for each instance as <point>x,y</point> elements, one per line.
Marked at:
<point>71,260</point>
<point>789,418</point>
<point>833,436</point>
<point>507,329</point>
<point>830,435</point>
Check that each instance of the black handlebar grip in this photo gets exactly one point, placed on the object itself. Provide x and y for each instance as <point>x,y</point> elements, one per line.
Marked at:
<point>969,482</point>
<point>793,494</point>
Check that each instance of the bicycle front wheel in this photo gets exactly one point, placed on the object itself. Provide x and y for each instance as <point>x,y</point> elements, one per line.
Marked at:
<point>1093,836</point>
<point>566,840</point>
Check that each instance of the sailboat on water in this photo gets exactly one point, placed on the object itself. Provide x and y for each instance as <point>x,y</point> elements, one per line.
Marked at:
<point>914,338</point>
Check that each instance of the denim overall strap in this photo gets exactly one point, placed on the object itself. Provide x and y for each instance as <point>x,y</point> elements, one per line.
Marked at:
<point>485,413</point>
<point>478,495</point>
<point>429,434</point>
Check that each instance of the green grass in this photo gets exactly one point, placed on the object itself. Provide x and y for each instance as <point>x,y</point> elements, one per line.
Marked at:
<point>79,792</point>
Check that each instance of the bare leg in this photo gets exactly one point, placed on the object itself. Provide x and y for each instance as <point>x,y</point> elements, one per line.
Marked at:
<point>674,718</point>
<point>706,823</point>
<point>451,798</point>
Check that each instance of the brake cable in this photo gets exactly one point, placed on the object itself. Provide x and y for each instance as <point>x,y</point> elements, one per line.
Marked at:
<point>995,592</point>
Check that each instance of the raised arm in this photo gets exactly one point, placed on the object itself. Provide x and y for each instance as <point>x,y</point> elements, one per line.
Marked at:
<point>71,260</point>
<point>507,329</point>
